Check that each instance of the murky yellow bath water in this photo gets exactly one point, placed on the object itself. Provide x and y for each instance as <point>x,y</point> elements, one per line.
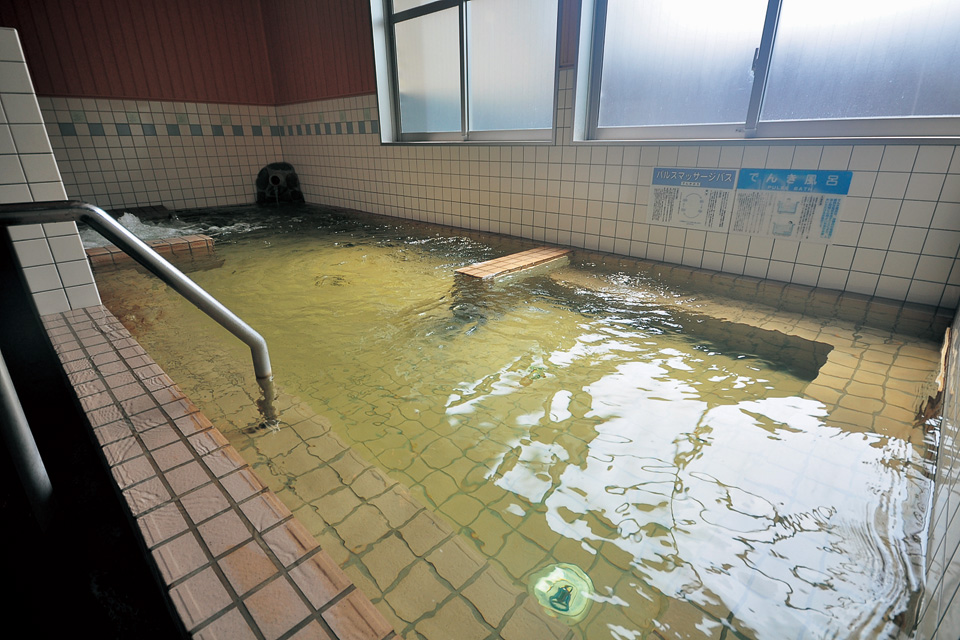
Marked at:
<point>575,416</point>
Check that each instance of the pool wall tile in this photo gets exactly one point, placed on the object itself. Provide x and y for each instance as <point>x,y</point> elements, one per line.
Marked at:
<point>938,617</point>
<point>58,278</point>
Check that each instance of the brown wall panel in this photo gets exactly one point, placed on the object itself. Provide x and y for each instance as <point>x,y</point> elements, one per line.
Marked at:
<point>318,48</point>
<point>209,51</point>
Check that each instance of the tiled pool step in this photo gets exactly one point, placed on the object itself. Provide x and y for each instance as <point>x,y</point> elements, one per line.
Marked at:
<point>185,247</point>
<point>236,563</point>
<point>514,262</point>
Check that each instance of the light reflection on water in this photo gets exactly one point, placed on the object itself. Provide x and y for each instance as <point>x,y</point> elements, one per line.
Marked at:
<point>596,418</point>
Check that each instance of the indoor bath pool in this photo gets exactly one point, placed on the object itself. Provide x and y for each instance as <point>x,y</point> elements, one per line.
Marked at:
<point>714,468</point>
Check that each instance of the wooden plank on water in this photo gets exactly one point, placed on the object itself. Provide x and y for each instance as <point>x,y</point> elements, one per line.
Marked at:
<point>514,262</point>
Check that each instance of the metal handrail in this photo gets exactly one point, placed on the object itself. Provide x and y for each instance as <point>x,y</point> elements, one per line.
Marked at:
<point>100,220</point>
<point>23,450</point>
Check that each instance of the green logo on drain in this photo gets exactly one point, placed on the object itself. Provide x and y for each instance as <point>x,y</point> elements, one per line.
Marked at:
<point>563,590</point>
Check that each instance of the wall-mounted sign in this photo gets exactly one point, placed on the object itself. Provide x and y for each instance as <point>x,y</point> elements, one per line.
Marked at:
<point>786,203</point>
<point>698,198</point>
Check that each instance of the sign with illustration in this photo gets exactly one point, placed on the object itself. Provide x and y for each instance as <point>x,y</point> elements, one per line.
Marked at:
<point>787,203</point>
<point>697,198</point>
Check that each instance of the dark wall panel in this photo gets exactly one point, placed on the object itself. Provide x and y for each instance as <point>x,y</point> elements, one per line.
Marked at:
<point>209,51</point>
<point>319,48</point>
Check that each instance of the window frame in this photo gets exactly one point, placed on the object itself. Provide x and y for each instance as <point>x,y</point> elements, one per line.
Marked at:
<point>587,101</point>
<point>384,21</point>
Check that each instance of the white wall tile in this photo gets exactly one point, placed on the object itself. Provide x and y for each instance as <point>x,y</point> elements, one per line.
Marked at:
<point>67,248</point>
<point>836,257</point>
<point>10,46</point>
<point>876,236</point>
<point>915,213</point>
<point>25,231</point>
<point>40,167</point>
<point>908,239</point>
<point>15,78</point>
<point>946,216</point>
<point>43,191</point>
<point>951,188</point>
<point>807,157</point>
<point>785,250</point>
<point>83,296</point>
<point>6,140</point>
<point>780,157</point>
<point>782,271</point>
<point>861,184</point>
<point>854,209</point>
<point>734,264</point>
<point>712,260</point>
<point>21,108</point>
<point>687,156</point>
<point>709,156</point>
<point>925,292</point>
<point>75,273</point>
<point>868,260</point>
<point>925,186</point>
<point>811,254</point>
<point>865,283</point>
<point>897,157</point>
<point>756,267</point>
<point>31,253</point>
<point>11,193</point>
<point>806,274</point>
<point>668,156</point>
<point>737,244</point>
<point>833,278</point>
<point>731,157</point>
<point>900,265</point>
<point>755,157</point>
<point>891,287</point>
<point>30,138</point>
<point>11,171</point>
<point>51,229</point>
<point>866,158</point>
<point>933,268</point>
<point>51,302</point>
<point>835,157</point>
<point>883,211</point>
<point>933,158</point>
<point>42,278</point>
<point>692,258</point>
<point>891,185</point>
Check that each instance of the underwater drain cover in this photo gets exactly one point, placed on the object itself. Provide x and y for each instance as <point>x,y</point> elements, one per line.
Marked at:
<point>564,590</point>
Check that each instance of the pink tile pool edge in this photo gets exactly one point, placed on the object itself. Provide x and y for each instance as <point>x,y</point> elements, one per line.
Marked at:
<point>236,563</point>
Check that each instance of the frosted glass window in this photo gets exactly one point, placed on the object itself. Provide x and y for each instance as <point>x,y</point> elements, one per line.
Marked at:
<point>676,63</point>
<point>846,59</point>
<point>403,5</point>
<point>511,63</point>
<point>428,72</point>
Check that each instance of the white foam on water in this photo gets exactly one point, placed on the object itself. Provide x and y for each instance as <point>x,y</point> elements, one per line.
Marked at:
<point>174,228</point>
